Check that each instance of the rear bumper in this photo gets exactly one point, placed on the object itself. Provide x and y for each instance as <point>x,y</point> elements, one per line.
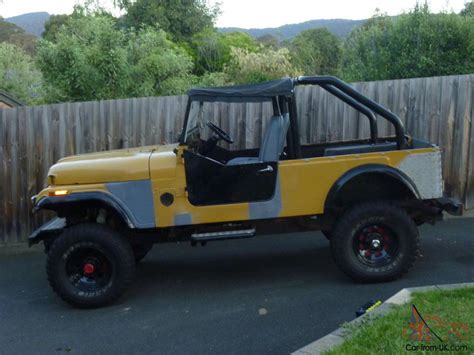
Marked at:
<point>431,211</point>
<point>450,205</point>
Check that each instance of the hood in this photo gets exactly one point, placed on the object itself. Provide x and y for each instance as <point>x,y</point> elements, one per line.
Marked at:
<point>102,167</point>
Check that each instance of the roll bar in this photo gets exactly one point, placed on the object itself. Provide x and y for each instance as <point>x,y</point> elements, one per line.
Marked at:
<point>355,99</point>
<point>355,104</point>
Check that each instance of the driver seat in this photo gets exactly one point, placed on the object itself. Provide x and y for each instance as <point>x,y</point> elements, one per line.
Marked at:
<point>272,145</point>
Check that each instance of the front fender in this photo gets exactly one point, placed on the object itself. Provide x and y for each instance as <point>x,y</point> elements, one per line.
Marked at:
<point>131,200</point>
<point>56,203</point>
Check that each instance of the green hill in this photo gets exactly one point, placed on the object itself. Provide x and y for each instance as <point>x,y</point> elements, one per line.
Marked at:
<point>339,27</point>
<point>11,33</point>
<point>32,22</point>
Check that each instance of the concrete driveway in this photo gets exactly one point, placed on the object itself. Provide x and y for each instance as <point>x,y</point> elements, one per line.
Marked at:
<point>271,294</point>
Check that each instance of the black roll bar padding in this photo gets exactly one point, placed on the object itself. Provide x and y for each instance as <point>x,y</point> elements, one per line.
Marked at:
<point>364,100</point>
<point>359,107</point>
<point>294,126</point>
<point>282,101</point>
<point>185,124</point>
<point>282,104</point>
<point>276,107</point>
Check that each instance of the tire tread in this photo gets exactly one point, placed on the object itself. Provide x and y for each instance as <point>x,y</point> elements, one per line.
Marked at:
<point>345,223</point>
<point>96,233</point>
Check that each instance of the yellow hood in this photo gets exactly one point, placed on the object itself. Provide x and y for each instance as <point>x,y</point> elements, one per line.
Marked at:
<point>101,167</point>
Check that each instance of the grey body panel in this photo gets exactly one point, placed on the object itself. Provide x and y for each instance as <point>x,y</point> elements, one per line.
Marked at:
<point>137,198</point>
<point>183,219</point>
<point>267,209</point>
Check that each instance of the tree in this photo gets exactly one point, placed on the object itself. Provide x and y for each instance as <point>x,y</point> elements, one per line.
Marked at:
<point>248,67</point>
<point>239,40</point>
<point>211,50</point>
<point>52,26</point>
<point>182,19</point>
<point>366,53</point>
<point>415,44</point>
<point>86,8</point>
<point>317,51</point>
<point>207,51</point>
<point>157,65</point>
<point>92,60</point>
<point>18,74</point>
<point>269,40</point>
<point>468,9</point>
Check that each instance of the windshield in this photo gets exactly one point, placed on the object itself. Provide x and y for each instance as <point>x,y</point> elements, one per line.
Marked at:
<point>196,123</point>
<point>229,117</point>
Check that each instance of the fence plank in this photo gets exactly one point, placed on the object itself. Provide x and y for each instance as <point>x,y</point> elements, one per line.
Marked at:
<point>469,194</point>
<point>445,138</point>
<point>3,175</point>
<point>12,176</point>
<point>23,213</point>
<point>462,116</point>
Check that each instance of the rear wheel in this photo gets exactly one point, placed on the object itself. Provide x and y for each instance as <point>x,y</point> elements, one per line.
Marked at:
<point>90,265</point>
<point>375,241</point>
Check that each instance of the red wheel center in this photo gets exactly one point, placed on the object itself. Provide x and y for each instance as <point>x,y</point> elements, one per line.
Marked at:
<point>88,269</point>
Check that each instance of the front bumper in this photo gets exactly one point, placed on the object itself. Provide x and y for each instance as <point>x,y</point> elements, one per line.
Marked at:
<point>50,228</point>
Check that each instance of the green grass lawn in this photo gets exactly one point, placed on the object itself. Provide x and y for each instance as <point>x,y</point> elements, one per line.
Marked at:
<point>445,312</point>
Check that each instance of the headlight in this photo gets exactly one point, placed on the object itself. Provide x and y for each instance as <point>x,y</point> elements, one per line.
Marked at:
<point>58,193</point>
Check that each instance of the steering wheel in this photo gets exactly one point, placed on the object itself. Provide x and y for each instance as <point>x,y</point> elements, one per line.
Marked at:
<point>220,133</point>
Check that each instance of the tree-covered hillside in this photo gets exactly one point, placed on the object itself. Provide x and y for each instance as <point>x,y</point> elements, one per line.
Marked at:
<point>32,22</point>
<point>13,34</point>
<point>339,27</point>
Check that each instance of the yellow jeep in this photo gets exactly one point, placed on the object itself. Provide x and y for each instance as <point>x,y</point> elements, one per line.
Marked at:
<point>366,196</point>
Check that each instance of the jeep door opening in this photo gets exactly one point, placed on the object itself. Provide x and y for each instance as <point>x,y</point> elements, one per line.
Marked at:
<point>367,196</point>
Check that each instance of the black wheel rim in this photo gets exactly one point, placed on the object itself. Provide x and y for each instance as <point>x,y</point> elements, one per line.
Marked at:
<point>88,268</point>
<point>376,245</point>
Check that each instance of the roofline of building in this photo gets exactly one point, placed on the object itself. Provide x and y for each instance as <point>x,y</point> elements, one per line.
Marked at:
<point>10,100</point>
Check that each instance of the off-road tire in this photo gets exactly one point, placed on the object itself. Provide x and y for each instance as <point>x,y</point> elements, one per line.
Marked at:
<point>344,238</point>
<point>117,254</point>
<point>140,251</point>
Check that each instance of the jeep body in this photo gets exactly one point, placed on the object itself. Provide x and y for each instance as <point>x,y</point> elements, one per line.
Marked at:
<point>198,190</point>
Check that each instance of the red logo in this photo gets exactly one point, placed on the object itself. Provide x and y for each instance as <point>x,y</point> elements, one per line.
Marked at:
<point>432,327</point>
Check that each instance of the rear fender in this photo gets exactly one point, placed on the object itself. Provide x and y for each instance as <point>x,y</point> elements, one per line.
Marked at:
<point>397,175</point>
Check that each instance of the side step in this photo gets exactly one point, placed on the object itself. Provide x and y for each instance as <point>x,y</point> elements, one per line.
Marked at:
<point>205,237</point>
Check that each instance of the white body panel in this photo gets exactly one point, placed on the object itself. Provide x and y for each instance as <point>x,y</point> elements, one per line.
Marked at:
<point>425,171</point>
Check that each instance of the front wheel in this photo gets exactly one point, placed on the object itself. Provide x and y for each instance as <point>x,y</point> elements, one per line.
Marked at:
<point>90,265</point>
<point>375,242</point>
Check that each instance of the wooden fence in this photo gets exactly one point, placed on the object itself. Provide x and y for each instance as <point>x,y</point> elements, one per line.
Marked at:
<point>438,109</point>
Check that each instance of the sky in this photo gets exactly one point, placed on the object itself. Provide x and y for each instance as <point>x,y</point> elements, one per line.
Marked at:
<point>260,13</point>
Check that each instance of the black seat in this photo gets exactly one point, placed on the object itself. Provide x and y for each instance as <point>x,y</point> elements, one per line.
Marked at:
<point>272,145</point>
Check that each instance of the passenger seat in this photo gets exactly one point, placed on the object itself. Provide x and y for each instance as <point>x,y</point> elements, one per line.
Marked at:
<point>273,142</point>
